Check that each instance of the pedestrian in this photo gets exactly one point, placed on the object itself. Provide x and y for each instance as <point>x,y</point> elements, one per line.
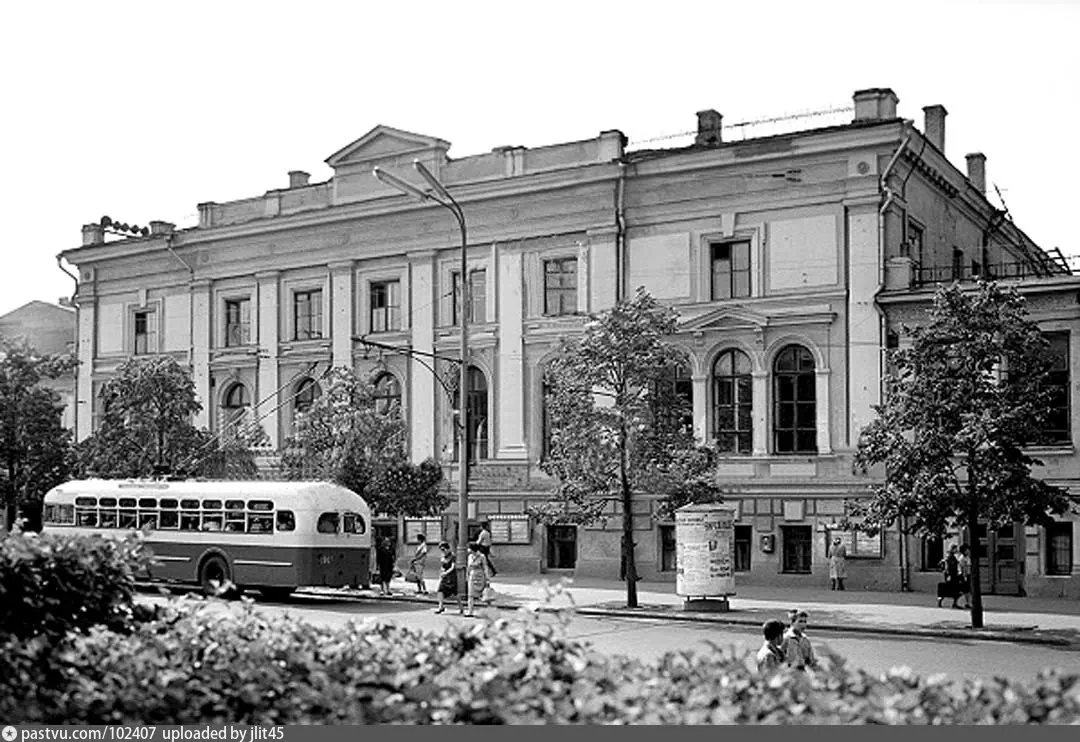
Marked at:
<point>949,587</point>
<point>770,657</point>
<point>448,584</point>
<point>798,653</point>
<point>384,562</point>
<point>416,565</point>
<point>837,564</point>
<point>475,576</point>
<point>963,564</point>
<point>483,540</point>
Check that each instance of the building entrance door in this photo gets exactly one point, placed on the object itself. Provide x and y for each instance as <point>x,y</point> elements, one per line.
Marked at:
<point>1000,553</point>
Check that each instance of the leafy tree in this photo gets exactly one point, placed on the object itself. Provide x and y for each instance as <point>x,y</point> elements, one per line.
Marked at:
<point>34,446</point>
<point>960,405</point>
<point>347,438</point>
<point>618,425</point>
<point>146,427</point>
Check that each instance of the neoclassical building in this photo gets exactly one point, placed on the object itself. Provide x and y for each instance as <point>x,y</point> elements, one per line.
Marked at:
<point>792,260</point>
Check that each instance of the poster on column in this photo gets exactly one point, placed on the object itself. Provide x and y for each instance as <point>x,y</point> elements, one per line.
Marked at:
<point>705,551</point>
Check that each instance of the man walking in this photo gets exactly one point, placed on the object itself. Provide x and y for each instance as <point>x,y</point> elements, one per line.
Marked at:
<point>483,540</point>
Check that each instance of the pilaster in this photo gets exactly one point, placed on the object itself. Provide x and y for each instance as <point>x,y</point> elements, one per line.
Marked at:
<point>342,307</point>
<point>821,391</point>
<point>269,373</point>
<point>421,377</point>
<point>200,349</point>
<point>760,396</point>
<point>511,376</point>
<point>84,390</point>
<point>701,409</point>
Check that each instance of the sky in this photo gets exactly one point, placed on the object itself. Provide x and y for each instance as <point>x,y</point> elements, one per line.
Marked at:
<point>141,111</point>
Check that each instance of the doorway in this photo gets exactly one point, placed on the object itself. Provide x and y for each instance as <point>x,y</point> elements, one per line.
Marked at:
<point>1000,559</point>
<point>561,547</point>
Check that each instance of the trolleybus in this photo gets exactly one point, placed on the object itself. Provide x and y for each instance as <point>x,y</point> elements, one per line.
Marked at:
<point>273,536</point>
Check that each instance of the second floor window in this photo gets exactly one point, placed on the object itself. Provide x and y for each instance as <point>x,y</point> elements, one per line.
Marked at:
<point>477,297</point>
<point>237,322</point>
<point>145,337</point>
<point>733,407</point>
<point>794,402</point>
<point>387,394</point>
<point>307,315</point>
<point>385,306</point>
<point>560,286</point>
<point>730,270</point>
<point>1058,427</point>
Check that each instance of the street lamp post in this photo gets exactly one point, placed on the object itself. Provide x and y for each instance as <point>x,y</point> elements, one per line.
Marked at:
<point>439,195</point>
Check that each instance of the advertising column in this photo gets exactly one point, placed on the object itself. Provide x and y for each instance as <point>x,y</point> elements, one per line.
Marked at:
<point>705,552</point>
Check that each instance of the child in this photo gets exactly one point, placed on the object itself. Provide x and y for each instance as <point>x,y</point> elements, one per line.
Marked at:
<point>797,650</point>
<point>771,655</point>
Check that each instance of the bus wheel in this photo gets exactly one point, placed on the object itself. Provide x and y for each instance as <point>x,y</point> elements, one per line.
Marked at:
<point>215,578</point>
<point>277,594</point>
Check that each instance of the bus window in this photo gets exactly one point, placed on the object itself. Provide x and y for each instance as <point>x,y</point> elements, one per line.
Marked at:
<point>234,524</point>
<point>170,519</point>
<point>328,523</point>
<point>260,523</point>
<point>86,502</point>
<point>108,502</point>
<point>86,517</point>
<point>211,522</point>
<point>127,502</point>
<point>169,504</point>
<point>147,502</point>
<point>127,519</point>
<point>211,504</point>
<point>189,521</point>
<point>234,504</point>
<point>148,520</point>
<point>262,506</point>
<point>189,504</point>
<point>108,519</point>
<point>59,514</point>
<point>353,523</point>
<point>286,520</point>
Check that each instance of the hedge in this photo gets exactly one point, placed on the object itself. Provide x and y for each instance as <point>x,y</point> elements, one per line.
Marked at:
<point>53,584</point>
<point>197,664</point>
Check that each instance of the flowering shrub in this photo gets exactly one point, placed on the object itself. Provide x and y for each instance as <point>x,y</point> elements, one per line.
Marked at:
<point>195,665</point>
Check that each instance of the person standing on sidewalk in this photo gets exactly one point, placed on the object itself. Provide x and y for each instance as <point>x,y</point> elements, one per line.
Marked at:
<point>963,564</point>
<point>483,540</point>
<point>837,564</point>
<point>950,573</point>
<point>475,576</point>
<point>416,565</point>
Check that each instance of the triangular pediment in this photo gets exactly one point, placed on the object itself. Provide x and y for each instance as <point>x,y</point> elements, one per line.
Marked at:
<point>724,318</point>
<point>389,144</point>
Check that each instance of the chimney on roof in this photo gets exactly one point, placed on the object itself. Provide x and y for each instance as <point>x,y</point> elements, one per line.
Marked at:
<point>934,125</point>
<point>976,167</point>
<point>160,228</point>
<point>875,104</point>
<point>298,178</point>
<point>93,234</point>
<point>708,128</point>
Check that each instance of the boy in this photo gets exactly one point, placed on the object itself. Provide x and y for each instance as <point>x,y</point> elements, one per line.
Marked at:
<point>797,650</point>
<point>771,655</point>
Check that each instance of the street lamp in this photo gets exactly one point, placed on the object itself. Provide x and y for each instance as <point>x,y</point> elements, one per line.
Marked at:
<point>439,195</point>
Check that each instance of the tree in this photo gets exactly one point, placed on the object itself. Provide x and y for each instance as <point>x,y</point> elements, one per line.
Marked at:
<point>347,438</point>
<point>618,426</point>
<point>34,446</point>
<point>146,427</point>
<point>961,403</point>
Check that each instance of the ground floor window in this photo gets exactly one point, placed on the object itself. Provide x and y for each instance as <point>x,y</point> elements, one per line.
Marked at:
<point>933,551</point>
<point>1059,548</point>
<point>667,549</point>
<point>561,547</point>
<point>743,537</point>
<point>796,543</point>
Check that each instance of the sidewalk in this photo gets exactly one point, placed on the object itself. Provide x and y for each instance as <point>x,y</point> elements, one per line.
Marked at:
<point>1005,618</point>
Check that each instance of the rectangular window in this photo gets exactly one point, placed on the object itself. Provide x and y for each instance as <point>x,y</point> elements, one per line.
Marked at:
<point>510,529</point>
<point>859,545</point>
<point>957,264</point>
<point>560,286</point>
<point>1058,426</point>
<point>430,527</point>
<point>730,270</point>
<point>477,296</point>
<point>796,544</point>
<point>668,561</point>
<point>237,322</point>
<point>743,542</point>
<point>385,306</point>
<point>1059,548</point>
<point>307,315</point>
<point>145,339</point>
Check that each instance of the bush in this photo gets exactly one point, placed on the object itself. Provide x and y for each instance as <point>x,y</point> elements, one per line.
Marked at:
<point>53,584</point>
<point>207,663</point>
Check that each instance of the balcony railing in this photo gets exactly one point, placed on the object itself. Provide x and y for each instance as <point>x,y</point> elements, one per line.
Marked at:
<point>923,275</point>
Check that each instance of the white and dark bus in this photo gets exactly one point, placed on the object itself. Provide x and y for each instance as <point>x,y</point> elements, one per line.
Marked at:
<point>273,536</point>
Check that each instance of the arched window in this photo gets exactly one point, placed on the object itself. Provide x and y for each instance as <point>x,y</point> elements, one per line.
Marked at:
<point>235,409</point>
<point>476,398</point>
<point>794,401</point>
<point>387,393</point>
<point>733,404</point>
<point>307,391</point>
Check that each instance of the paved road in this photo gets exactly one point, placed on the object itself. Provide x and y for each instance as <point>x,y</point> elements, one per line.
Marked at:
<point>648,639</point>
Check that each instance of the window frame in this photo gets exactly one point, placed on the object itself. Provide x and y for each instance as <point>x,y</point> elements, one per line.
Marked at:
<point>240,303</point>
<point>384,402</point>
<point>738,407</point>
<point>565,296</point>
<point>312,317</point>
<point>779,403</point>
<point>384,305</point>
<point>1053,566</point>
<point>148,316</point>
<point>1060,378</point>
<point>732,290</point>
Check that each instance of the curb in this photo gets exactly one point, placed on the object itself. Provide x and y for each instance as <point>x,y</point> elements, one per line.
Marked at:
<point>1021,636</point>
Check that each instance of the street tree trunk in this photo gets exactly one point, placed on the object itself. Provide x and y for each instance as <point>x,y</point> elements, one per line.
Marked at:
<point>628,523</point>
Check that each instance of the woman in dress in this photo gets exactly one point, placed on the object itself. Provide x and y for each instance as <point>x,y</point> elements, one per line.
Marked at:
<point>448,587</point>
<point>963,564</point>
<point>384,562</point>
<point>837,564</point>
<point>416,564</point>
<point>950,573</point>
<point>475,575</point>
